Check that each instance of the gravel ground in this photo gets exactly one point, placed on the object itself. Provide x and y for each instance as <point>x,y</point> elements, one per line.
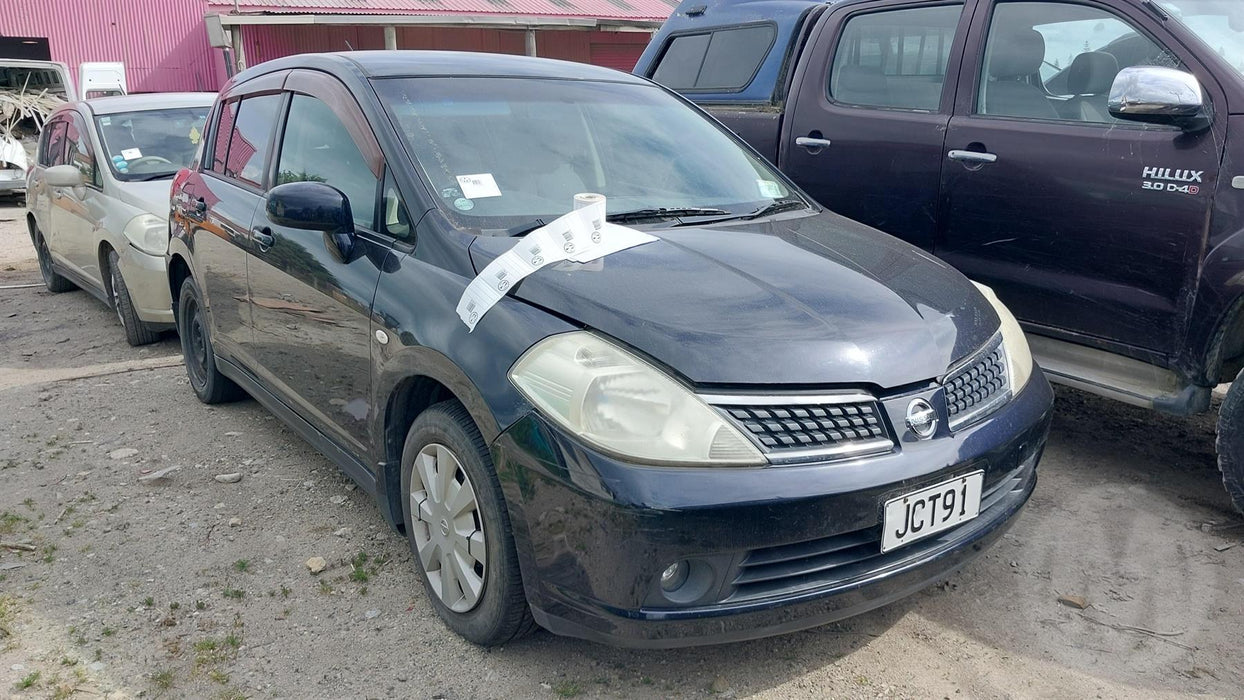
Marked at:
<point>188,587</point>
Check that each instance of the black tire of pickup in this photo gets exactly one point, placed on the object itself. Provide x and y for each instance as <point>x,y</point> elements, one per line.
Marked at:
<point>1231,441</point>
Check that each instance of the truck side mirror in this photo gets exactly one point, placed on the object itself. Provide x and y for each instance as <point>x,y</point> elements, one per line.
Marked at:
<point>1158,95</point>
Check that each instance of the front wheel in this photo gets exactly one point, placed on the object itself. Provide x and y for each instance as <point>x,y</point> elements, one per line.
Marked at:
<point>196,344</point>
<point>1231,441</point>
<point>459,530</point>
<point>136,332</point>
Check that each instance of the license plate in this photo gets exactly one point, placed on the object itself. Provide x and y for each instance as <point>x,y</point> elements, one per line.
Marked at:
<point>931,510</point>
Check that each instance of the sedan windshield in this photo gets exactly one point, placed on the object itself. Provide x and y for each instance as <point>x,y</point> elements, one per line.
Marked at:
<point>504,152</point>
<point>151,144</point>
<point>1219,23</point>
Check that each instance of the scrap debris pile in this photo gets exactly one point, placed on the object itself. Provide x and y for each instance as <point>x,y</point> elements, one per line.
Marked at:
<point>22,114</point>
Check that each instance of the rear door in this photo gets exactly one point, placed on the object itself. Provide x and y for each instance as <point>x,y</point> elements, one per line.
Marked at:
<point>864,134</point>
<point>222,198</point>
<point>311,308</point>
<point>1088,227</point>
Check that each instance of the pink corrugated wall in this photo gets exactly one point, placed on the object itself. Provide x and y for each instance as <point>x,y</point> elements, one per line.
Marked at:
<point>163,43</point>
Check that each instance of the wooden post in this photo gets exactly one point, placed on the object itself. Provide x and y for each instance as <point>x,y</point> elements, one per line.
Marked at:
<point>531,42</point>
<point>239,50</point>
<point>390,37</point>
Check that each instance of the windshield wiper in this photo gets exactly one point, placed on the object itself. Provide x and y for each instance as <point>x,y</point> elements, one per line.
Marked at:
<point>774,207</point>
<point>662,213</point>
<point>149,178</point>
<point>524,229</point>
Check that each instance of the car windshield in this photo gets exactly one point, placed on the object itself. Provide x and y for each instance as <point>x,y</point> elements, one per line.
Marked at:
<point>501,152</point>
<point>1219,23</point>
<point>151,144</point>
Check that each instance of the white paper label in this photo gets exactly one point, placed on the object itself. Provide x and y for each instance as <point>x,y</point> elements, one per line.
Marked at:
<point>580,236</point>
<point>769,188</point>
<point>131,153</point>
<point>478,186</point>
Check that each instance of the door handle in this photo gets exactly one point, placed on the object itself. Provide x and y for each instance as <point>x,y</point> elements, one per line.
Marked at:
<point>972,157</point>
<point>263,236</point>
<point>811,143</point>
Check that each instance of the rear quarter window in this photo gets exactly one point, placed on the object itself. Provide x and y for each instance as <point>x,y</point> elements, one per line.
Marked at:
<point>723,60</point>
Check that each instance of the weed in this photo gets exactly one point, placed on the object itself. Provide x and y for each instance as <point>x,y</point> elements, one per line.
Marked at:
<point>219,676</point>
<point>242,565</point>
<point>66,661</point>
<point>148,602</point>
<point>200,605</point>
<point>567,689</point>
<point>234,593</point>
<point>164,679</point>
<point>108,631</point>
<point>28,681</point>
<point>10,521</point>
<point>174,605</point>
<point>285,591</point>
<point>326,588</point>
<point>29,503</point>
<point>233,641</point>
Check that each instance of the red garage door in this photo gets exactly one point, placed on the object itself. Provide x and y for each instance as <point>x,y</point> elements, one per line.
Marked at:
<point>618,56</point>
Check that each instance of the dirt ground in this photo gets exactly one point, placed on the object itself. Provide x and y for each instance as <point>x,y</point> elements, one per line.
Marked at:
<point>196,588</point>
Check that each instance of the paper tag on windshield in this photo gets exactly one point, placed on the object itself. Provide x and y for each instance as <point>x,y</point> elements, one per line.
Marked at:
<point>769,188</point>
<point>478,186</point>
<point>131,153</point>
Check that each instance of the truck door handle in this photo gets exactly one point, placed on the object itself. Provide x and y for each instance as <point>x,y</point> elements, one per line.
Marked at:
<point>263,236</point>
<point>812,144</point>
<point>973,157</point>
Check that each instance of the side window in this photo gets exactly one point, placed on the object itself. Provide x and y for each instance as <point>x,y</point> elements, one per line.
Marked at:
<point>895,59</point>
<point>396,218</point>
<point>318,148</point>
<point>248,144</point>
<point>224,131</point>
<point>1051,60</point>
<point>724,60</point>
<point>52,150</point>
<point>79,151</point>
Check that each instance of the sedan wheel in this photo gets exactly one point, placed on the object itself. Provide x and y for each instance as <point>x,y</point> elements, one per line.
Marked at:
<point>448,531</point>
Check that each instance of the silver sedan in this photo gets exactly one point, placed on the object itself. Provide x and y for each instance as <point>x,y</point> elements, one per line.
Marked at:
<point>97,200</point>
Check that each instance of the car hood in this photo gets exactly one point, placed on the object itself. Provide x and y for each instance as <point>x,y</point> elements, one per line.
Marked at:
<point>149,196</point>
<point>803,301</point>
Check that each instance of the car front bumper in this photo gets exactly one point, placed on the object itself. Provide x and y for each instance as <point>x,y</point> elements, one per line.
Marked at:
<point>146,276</point>
<point>593,534</point>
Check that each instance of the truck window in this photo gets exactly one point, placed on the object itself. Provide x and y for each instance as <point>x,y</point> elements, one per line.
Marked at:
<point>1050,60</point>
<point>895,59</point>
<point>53,150</point>
<point>724,60</point>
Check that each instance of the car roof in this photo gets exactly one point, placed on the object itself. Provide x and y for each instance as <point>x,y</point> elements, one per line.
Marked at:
<point>148,101</point>
<point>393,64</point>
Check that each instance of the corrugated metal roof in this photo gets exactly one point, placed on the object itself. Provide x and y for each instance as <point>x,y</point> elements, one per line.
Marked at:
<point>651,10</point>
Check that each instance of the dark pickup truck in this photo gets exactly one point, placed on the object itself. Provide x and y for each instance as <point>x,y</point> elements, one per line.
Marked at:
<point>1085,159</point>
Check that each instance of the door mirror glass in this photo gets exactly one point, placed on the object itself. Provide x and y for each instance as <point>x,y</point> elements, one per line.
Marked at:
<point>64,176</point>
<point>1157,95</point>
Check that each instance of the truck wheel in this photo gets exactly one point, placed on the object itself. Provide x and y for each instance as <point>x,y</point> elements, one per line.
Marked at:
<point>54,282</point>
<point>1231,441</point>
<point>459,530</point>
<point>136,332</point>
<point>196,344</point>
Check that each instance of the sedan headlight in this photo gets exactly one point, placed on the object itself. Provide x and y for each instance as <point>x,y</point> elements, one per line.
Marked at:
<point>621,404</point>
<point>148,233</point>
<point>1014,344</point>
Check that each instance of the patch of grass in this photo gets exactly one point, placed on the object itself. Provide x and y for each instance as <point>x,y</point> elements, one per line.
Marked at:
<point>164,680</point>
<point>66,661</point>
<point>200,605</point>
<point>285,591</point>
<point>174,605</point>
<point>242,565</point>
<point>10,521</point>
<point>233,641</point>
<point>567,689</point>
<point>108,631</point>
<point>234,593</point>
<point>219,676</point>
<point>29,681</point>
<point>326,588</point>
<point>148,602</point>
<point>29,503</point>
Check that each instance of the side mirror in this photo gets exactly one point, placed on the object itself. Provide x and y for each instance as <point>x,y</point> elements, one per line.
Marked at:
<point>315,206</point>
<point>64,176</point>
<point>1157,95</point>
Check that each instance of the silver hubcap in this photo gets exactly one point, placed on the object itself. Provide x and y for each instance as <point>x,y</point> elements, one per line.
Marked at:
<point>448,529</point>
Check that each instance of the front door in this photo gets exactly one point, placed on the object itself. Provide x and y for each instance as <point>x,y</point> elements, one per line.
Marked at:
<point>865,130</point>
<point>311,306</point>
<point>1087,227</point>
<point>78,211</point>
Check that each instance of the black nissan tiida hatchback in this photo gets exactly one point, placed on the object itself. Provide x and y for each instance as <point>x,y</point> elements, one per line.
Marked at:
<point>761,418</point>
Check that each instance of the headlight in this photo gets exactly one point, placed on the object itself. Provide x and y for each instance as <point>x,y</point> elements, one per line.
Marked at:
<point>148,233</point>
<point>623,405</point>
<point>1018,356</point>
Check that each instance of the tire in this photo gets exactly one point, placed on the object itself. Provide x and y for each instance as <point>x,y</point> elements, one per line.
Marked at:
<point>196,345</point>
<point>136,332</point>
<point>53,281</point>
<point>499,613</point>
<point>1231,441</point>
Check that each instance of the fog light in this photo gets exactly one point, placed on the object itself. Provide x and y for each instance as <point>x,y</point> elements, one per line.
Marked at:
<point>675,576</point>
